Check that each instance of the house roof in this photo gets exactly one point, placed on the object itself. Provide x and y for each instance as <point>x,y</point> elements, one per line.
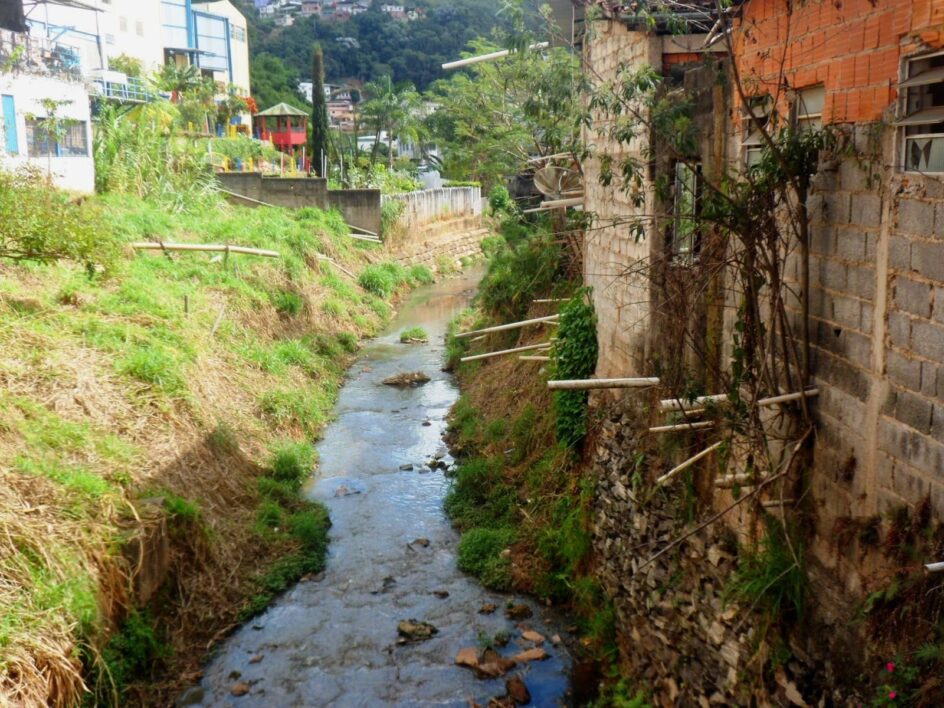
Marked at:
<point>282,109</point>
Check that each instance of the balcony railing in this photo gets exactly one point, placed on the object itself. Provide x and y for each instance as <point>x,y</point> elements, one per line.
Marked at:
<point>131,90</point>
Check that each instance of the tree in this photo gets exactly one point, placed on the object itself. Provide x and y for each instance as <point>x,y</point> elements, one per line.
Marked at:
<point>319,113</point>
<point>391,109</point>
<point>273,82</point>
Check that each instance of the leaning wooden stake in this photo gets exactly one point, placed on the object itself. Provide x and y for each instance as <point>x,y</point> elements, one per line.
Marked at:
<point>208,247</point>
<point>245,198</point>
<point>733,480</point>
<point>674,404</point>
<point>587,384</point>
<point>685,465</point>
<point>534,358</point>
<point>934,567</point>
<point>510,325</point>
<point>340,268</point>
<point>505,351</point>
<point>369,239</point>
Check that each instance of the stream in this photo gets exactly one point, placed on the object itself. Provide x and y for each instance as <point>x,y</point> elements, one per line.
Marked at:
<point>332,641</point>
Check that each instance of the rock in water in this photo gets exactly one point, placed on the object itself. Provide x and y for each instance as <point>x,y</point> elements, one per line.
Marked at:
<point>240,689</point>
<point>487,609</point>
<point>412,630</point>
<point>468,657</point>
<point>412,378</point>
<point>520,611</point>
<point>517,691</point>
<point>532,636</point>
<point>536,654</point>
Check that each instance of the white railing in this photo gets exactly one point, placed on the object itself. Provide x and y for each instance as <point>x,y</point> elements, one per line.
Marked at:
<point>429,205</point>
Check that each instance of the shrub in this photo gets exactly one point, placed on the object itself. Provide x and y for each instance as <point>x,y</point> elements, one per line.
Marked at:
<point>40,223</point>
<point>421,274</point>
<point>479,553</point>
<point>575,357</point>
<point>287,302</point>
<point>349,341</point>
<point>383,279</point>
<point>499,200</point>
<point>517,272</point>
<point>390,212</point>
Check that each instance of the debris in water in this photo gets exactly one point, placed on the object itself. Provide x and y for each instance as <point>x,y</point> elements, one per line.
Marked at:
<point>487,609</point>
<point>240,689</point>
<point>441,594</point>
<point>412,630</point>
<point>519,611</point>
<point>256,659</point>
<point>535,654</point>
<point>556,639</point>
<point>501,702</point>
<point>422,542</point>
<point>345,491</point>
<point>427,423</point>
<point>517,691</point>
<point>388,583</point>
<point>406,468</point>
<point>493,665</point>
<point>413,378</point>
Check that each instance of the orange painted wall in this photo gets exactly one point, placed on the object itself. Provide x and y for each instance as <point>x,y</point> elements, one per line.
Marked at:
<point>853,47</point>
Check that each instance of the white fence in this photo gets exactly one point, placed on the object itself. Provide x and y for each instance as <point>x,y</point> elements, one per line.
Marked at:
<point>420,208</point>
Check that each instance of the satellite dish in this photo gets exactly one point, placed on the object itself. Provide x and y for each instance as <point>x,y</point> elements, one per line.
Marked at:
<point>557,182</point>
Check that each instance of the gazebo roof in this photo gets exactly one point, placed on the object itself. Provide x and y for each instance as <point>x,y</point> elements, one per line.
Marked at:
<point>282,109</point>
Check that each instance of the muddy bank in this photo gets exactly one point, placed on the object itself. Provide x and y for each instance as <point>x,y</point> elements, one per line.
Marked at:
<point>333,640</point>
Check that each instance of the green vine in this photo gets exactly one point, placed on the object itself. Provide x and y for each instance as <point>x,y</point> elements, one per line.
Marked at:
<point>575,357</point>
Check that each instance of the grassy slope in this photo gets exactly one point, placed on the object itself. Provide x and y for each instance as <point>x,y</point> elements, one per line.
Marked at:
<point>128,424</point>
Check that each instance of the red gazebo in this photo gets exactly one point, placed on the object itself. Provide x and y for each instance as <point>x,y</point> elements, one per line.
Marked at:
<point>286,127</point>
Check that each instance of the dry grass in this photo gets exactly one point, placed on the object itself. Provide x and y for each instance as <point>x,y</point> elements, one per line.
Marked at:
<point>90,432</point>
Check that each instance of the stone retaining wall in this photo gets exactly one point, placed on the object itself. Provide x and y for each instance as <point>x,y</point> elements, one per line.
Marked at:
<point>452,239</point>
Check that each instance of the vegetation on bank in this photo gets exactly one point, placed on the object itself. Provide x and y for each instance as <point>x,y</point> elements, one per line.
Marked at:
<point>521,492</point>
<point>158,397</point>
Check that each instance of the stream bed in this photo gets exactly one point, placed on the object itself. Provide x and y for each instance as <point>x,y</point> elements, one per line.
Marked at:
<point>333,640</point>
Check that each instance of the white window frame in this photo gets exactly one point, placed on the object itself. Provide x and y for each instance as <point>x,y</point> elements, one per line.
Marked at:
<point>806,114</point>
<point>926,120</point>
<point>753,144</point>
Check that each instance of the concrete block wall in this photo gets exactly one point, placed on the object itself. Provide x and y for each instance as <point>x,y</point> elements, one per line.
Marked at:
<point>615,262</point>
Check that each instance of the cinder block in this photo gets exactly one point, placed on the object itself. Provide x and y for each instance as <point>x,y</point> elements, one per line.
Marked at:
<point>899,252</point>
<point>913,296</point>
<point>927,340</point>
<point>837,207</point>
<point>915,217</point>
<point>930,375</point>
<point>850,243</point>
<point>860,281</point>
<point>913,410</point>
<point>903,371</point>
<point>899,329</point>
<point>928,259</point>
<point>866,210</point>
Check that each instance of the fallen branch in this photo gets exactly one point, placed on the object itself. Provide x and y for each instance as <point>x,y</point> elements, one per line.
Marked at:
<point>339,267</point>
<point>365,238</point>
<point>244,197</point>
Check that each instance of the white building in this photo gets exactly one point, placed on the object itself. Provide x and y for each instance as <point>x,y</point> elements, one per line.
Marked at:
<point>60,147</point>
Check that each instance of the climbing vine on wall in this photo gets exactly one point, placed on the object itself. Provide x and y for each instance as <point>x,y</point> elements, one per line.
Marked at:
<point>575,357</point>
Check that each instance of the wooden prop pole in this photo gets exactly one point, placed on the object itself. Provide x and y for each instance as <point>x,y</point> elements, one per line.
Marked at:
<point>487,355</point>
<point>587,384</point>
<point>510,325</point>
<point>685,465</point>
<point>222,248</point>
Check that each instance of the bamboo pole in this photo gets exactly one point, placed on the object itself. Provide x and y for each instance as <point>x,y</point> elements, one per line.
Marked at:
<point>560,203</point>
<point>534,358</point>
<point>364,231</point>
<point>365,238</point>
<point>734,479</point>
<point>774,400</point>
<point>934,567</point>
<point>511,325</point>
<point>244,197</point>
<point>340,268</point>
<point>682,426</point>
<point>505,351</point>
<point>553,299</point>
<point>459,63</point>
<point>555,156</point>
<point>685,465</point>
<point>212,247</point>
<point>587,384</point>
<point>774,503</point>
<point>674,404</point>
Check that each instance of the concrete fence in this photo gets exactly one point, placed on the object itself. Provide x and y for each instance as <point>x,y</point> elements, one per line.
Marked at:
<point>429,205</point>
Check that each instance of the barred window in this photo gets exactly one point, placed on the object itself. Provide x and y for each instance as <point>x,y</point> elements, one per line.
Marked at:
<point>40,143</point>
<point>752,147</point>
<point>684,241</point>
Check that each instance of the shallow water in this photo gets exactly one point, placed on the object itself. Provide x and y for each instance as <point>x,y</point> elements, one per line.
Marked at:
<point>333,641</point>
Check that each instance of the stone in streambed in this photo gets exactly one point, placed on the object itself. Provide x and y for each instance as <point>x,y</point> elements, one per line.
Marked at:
<point>406,468</point>
<point>532,636</point>
<point>240,689</point>
<point>412,378</point>
<point>413,630</point>
<point>487,609</point>
<point>517,691</point>
<point>468,657</point>
<point>441,594</point>
<point>535,654</point>
<point>256,659</point>
<point>519,611</point>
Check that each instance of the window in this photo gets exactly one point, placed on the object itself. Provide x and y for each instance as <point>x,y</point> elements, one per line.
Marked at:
<point>212,32</point>
<point>684,241</point>
<point>238,33</point>
<point>923,124</point>
<point>42,144</point>
<point>123,24</point>
<point>752,148</point>
<point>809,108</point>
<point>10,142</point>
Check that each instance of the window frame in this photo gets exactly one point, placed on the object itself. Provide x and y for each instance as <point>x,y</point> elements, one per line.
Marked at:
<point>804,120</point>
<point>762,106</point>
<point>912,118</point>
<point>687,255</point>
<point>68,148</point>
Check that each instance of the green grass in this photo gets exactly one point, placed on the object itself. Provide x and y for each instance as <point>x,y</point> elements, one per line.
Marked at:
<point>414,334</point>
<point>479,553</point>
<point>155,366</point>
